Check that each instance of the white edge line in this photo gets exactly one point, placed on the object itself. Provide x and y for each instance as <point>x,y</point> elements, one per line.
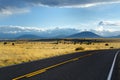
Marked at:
<point>112,67</point>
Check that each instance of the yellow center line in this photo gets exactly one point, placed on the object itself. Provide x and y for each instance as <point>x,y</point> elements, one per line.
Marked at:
<point>50,67</point>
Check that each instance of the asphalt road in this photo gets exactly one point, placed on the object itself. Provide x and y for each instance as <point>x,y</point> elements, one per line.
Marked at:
<point>89,65</point>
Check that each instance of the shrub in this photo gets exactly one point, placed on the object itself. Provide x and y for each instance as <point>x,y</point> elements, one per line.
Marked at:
<point>5,43</point>
<point>13,44</point>
<point>79,48</point>
<point>106,44</point>
<point>111,47</point>
<point>89,43</point>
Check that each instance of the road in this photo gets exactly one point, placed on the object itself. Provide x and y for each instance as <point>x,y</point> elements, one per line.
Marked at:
<point>88,65</point>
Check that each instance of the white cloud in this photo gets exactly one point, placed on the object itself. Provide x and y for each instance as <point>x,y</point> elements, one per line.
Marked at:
<point>108,25</point>
<point>13,10</point>
<point>55,31</point>
<point>18,29</point>
<point>108,28</point>
<point>99,29</point>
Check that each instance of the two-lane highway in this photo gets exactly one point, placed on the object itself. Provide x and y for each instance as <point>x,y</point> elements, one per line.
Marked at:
<point>89,65</point>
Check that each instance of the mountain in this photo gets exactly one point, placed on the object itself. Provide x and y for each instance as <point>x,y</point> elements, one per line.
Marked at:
<point>29,36</point>
<point>116,36</point>
<point>85,34</point>
<point>8,36</point>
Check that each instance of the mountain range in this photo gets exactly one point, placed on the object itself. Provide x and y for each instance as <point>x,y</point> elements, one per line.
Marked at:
<point>29,36</point>
<point>84,34</point>
<point>17,32</point>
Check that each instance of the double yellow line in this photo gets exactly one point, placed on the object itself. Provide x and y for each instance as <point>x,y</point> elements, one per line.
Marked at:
<point>50,67</point>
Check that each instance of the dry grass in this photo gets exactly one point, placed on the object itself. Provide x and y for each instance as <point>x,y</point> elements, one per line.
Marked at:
<point>30,51</point>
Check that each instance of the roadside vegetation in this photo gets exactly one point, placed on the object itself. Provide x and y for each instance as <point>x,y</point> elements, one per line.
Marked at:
<point>24,51</point>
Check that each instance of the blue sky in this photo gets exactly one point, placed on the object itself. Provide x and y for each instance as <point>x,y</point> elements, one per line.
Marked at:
<point>82,14</point>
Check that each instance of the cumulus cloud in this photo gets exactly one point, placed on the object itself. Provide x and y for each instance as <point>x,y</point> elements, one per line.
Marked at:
<point>18,29</point>
<point>54,31</point>
<point>108,28</point>
<point>20,6</point>
<point>109,23</point>
<point>48,32</point>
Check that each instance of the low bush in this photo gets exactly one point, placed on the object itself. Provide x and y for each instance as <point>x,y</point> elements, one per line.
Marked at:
<point>106,44</point>
<point>79,48</point>
<point>111,47</point>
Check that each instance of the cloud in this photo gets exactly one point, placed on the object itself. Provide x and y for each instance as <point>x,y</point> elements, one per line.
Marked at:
<point>72,3</point>
<point>13,10</point>
<point>106,33</point>
<point>48,32</point>
<point>16,30</point>
<point>9,7</point>
<point>109,23</point>
<point>108,28</point>
<point>19,29</point>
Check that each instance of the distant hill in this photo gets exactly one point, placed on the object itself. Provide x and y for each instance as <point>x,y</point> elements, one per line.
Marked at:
<point>75,34</point>
<point>116,36</point>
<point>29,36</point>
<point>85,34</point>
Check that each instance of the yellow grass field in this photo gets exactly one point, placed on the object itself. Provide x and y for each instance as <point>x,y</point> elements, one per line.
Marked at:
<point>29,51</point>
